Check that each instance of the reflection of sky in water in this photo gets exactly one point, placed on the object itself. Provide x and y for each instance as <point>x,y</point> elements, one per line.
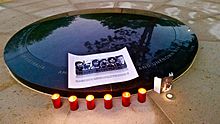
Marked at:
<point>54,47</point>
<point>161,38</point>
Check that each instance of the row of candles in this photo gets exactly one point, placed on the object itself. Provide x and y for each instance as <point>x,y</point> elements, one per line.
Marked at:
<point>90,100</point>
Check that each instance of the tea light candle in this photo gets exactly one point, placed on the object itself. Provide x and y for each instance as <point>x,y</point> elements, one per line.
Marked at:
<point>56,100</point>
<point>142,95</point>
<point>90,102</point>
<point>108,101</point>
<point>126,99</point>
<point>73,100</point>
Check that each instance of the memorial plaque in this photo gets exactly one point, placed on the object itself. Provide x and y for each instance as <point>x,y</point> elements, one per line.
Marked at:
<point>157,44</point>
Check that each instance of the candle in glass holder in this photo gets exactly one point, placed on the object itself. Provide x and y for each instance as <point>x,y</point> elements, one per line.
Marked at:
<point>73,100</point>
<point>90,102</point>
<point>108,101</point>
<point>56,100</point>
<point>126,96</point>
<point>142,95</point>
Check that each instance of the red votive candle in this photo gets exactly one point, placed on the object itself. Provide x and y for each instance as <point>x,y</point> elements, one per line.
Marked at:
<point>56,100</point>
<point>73,103</point>
<point>126,96</point>
<point>108,101</point>
<point>142,95</point>
<point>90,102</point>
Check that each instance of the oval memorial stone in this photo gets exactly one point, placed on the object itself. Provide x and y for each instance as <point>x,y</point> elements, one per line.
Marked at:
<point>157,44</point>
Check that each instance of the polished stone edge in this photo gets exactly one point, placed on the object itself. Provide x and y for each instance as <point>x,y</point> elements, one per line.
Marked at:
<point>107,10</point>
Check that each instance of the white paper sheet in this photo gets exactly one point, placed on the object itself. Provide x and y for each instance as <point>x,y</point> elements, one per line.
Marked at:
<point>157,84</point>
<point>99,69</point>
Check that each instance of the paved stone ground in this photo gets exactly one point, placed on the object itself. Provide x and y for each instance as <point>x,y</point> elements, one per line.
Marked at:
<point>197,92</point>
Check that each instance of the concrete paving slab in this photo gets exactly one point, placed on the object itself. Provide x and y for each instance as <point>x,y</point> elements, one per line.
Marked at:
<point>35,7</point>
<point>12,3</point>
<point>91,5</point>
<point>139,113</point>
<point>206,29</point>
<point>53,11</point>
<point>138,5</point>
<point>20,105</point>
<point>5,80</point>
<point>208,58</point>
<point>194,19</point>
<point>153,1</point>
<point>197,92</point>
<point>14,21</point>
<point>88,1</point>
<point>2,8</point>
<point>181,13</point>
<point>206,6</point>
<point>4,37</point>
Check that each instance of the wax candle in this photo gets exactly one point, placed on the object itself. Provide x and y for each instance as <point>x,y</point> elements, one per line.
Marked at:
<point>56,100</point>
<point>126,99</point>
<point>90,102</point>
<point>108,101</point>
<point>142,95</point>
<point>73,101</point>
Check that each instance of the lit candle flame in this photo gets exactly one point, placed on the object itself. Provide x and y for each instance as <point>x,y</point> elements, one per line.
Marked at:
<point>89,97</point>
<point>126,94</point>
<point>142,90</point>
<point>55,96</point>
<point>72,98</point>
<point>108,97</point>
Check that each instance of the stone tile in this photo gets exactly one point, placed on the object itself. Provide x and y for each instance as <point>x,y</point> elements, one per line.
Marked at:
<point>183,3</point>
<point>138,5</point>
<point>181,13</point>
<point>21,2</point>
<point>153,1</point>
<point>97,10</point>
<point>8,14</point>
<point>87,1</point>
<point>6,80</point>
<point>35,7</point>
<point>14,21</point>
<point>54,11</point>
<point>197,92</point>
<point>93,5</point>
<point>2,8</point>
<point>21,105</point>
<point>204,25</point>
<point>206,29</point>
<point>208,58</point>
<point>139,113</point>
<point>208,6</point>
<point>217,16</point>
<point>3,1</point>
<point>214,1</point>
<point>4,37</point>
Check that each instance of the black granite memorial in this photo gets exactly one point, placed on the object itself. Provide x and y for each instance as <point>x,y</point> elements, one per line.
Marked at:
<point>157,44</point>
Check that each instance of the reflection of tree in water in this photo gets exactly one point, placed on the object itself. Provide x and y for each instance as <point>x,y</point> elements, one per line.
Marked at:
<point>37,32</point>
<point>125,35</point>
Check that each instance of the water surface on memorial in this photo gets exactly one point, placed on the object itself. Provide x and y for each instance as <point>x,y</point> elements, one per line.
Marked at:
<point>38,53</point>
